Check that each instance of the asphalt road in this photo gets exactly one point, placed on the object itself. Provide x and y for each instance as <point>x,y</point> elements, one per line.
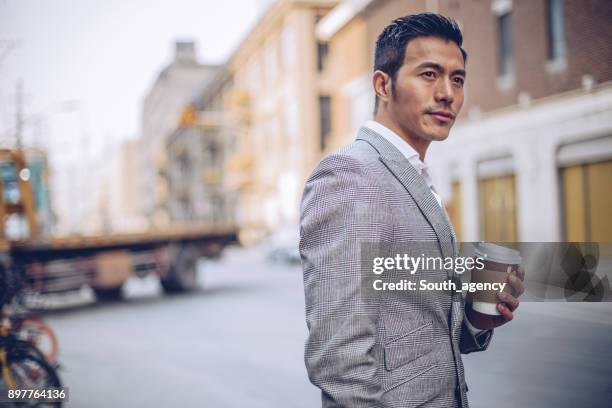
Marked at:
<point>238,342</point>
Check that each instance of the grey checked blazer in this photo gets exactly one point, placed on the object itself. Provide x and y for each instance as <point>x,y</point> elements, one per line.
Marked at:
<point>377,350</point>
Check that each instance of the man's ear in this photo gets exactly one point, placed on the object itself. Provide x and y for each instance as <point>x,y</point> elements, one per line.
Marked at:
<point>382,85</point>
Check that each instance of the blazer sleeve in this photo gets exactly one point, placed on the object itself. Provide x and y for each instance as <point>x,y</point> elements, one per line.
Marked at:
<point>472,342</point>
<point>341,207</point>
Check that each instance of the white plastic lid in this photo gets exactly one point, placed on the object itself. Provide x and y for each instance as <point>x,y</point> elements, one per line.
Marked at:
<point>498,253</point>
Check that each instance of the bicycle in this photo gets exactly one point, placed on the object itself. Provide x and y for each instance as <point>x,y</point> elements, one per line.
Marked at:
<point>24,367</point>
<point>14,298</point>
<point>36,332</point>
<point>22,364</point>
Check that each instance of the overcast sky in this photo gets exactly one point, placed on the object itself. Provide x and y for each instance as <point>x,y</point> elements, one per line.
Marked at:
<point>105,54</point>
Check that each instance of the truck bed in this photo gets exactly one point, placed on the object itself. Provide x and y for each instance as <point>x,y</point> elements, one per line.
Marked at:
<point>69,246</point>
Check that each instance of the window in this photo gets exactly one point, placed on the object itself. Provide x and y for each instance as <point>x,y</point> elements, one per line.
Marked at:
<point>505,44</point>
<point>360,98</point>
<point>556,33</point>
<point>290,117</point>
<point>210,154</point>
<point>324,120</point>
<point>288,47</point>
<point>186,210</point>
<point>253,75</point>
<point>271,63</point>
<point>184,162</point>
<point>321,55</point>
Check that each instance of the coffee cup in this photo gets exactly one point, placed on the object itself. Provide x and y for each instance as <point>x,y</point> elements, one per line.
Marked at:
<point>499,261</point>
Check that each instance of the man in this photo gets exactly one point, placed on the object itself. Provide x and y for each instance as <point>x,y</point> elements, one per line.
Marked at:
<point>390,351</point>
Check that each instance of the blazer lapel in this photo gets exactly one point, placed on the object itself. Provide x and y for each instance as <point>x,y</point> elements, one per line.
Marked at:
<point>416,186</point>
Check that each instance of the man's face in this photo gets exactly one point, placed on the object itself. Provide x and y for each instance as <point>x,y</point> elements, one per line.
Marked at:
<point>428,90</point>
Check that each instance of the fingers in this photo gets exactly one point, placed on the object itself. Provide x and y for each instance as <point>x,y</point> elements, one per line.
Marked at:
<point>520,272</point>
<point>516,284</point>
<point>510,301</point>
<point>506,314</point>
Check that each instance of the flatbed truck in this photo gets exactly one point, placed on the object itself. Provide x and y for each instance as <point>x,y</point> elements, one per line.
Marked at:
<point>44,264</point>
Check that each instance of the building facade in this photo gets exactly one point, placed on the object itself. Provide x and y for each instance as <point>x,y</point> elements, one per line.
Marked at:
<point>269,113</point>
<point>176,86</point>
<point>197,152</point>
<point>530,157</point>
<point>278,73</point>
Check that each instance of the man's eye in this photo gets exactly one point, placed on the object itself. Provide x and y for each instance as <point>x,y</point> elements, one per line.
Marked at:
<point>459,80</point>
<point>429,74</point>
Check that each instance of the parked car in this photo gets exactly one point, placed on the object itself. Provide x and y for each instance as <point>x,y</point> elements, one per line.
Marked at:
<point>283,245</point>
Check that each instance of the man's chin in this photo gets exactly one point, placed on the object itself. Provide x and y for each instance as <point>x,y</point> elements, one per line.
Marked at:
<point>438,137</point>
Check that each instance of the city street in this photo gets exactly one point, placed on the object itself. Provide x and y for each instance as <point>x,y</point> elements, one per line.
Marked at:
<point>136,139</point>
<point>238,342</point>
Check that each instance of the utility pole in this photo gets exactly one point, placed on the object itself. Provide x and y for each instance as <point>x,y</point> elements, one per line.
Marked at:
<point>19,114</point>
<point>8,47</point>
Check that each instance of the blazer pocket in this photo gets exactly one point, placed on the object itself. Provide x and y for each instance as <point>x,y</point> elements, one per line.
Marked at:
<point>419,371</point>
<point>403,348</point>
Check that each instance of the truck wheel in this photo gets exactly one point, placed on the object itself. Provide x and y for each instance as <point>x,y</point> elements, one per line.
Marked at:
<point>10,281</point>
<point>108,294</point>
<point>183,271</point>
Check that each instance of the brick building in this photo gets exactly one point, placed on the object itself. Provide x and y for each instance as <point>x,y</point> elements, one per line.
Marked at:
<point>530,157</point>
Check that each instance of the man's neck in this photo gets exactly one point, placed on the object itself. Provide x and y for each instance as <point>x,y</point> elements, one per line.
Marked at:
<point>417,143</point>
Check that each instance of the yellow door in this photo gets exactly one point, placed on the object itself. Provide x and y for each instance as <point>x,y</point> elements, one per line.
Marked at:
<point>453,208</point>
<point>587,202</point>
<point>497,196</point>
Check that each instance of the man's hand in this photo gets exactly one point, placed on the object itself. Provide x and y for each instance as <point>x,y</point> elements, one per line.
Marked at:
<point>507,307</point>
<point>509,302</point>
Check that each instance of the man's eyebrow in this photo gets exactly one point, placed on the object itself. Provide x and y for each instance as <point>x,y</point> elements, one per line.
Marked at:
<point>459,72</point>
<point>438,67</point>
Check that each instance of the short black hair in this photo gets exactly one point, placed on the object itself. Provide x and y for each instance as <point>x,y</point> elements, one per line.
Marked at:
<point>391,43</point>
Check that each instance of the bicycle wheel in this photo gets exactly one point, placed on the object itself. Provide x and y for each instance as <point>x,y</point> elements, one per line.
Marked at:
<point>39,334</point>
<point>30,370</point>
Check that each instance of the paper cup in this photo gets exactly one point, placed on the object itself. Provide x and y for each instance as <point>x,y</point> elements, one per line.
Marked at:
<point>499,262</point>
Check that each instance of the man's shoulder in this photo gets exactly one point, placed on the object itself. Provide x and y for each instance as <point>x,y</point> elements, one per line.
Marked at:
<point>356,155</point>
<point>354,167</point>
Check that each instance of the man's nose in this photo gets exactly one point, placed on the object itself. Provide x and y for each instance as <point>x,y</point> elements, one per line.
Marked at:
<point>444,91</point>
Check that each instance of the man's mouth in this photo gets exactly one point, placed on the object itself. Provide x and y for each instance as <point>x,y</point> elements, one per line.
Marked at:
<point>442,116</point>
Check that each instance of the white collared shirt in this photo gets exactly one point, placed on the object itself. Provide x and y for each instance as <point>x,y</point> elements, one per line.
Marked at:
<point>413,158</point>
<point>408,151</point>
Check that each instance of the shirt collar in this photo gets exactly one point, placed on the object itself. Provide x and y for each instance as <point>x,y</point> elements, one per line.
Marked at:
<point>400,144</point>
